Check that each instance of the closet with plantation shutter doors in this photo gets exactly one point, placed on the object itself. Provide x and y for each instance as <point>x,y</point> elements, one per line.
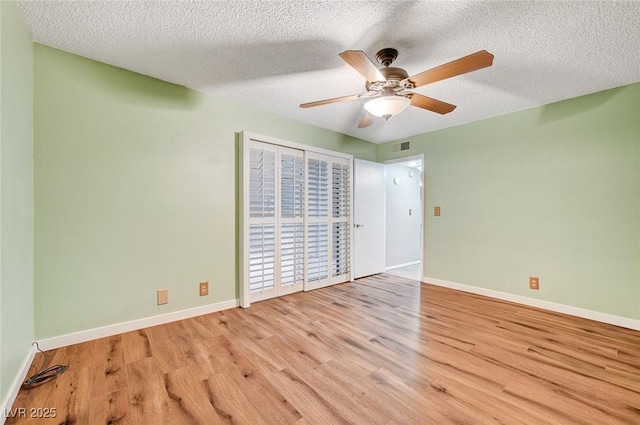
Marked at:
<point>295,209</point>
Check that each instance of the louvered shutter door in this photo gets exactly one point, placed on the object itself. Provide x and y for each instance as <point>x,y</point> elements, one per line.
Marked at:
<point>328,220</point>
<point>292,178</point>
<point>317,220</point>
<point>341,214</point>
<point>262,214</point>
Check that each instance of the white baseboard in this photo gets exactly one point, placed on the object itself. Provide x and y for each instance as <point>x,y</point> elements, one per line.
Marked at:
<point>133,325</point>
<point>397,266</point>
<point>611,319</point>
<point>8,401</point>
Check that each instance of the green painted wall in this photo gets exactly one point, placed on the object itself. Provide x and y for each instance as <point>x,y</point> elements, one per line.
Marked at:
<point>135,189</point>
<point>16,194</point>
<point>552,192</point>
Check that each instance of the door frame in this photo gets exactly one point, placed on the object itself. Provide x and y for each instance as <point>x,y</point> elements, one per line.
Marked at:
<point>423,209</point>
<point>244,139</point>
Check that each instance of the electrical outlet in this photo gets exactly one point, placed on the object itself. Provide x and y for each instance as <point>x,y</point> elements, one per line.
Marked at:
<point>436,211</point>
<point>204,289</point>
<point>163,296</point>
<point>534,282</point>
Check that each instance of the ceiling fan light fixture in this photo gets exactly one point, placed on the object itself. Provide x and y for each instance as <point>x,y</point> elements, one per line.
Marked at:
<point>387,106</point>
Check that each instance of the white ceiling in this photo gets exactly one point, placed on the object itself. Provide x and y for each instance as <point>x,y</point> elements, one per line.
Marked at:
<point>277,54</point>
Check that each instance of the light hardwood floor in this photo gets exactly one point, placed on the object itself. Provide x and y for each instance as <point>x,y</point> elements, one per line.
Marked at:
<point>381,351</point>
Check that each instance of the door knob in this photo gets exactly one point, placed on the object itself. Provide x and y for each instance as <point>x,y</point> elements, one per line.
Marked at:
<point>358,225</point>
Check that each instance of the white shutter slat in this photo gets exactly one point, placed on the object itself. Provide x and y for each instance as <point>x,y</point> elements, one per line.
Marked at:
<point>262,183</point>
<point>318,251</point>
<point>292,186</point>
<point>318,188</point>
<point>261,257</point>
<point>291,254</point>
<point>341,249</point>
<point>340,184</point>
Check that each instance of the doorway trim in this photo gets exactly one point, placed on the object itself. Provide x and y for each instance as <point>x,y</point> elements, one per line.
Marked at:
<point>424,210</point>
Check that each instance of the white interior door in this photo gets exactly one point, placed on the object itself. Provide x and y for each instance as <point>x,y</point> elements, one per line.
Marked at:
<point>368,218</point>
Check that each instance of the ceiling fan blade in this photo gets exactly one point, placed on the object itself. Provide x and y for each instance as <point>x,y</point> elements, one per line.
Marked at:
<point>431,104</point>
<point>332,100</point>
<point>361,63</point>
<point>367,120</point>
<point>472,62</point>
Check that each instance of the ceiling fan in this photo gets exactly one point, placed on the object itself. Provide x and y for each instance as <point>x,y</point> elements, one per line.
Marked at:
<point>388,87</point>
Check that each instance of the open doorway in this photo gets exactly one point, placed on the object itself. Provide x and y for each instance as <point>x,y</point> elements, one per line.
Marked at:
<point>403,217</point>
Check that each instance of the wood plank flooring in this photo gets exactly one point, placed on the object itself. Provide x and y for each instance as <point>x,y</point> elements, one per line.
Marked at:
<point>384,350</point>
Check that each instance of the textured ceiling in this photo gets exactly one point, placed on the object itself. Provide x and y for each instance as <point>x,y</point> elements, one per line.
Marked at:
<point>277,54</point>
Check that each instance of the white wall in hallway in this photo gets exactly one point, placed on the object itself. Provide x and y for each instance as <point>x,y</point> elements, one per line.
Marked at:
<point>403,214</point>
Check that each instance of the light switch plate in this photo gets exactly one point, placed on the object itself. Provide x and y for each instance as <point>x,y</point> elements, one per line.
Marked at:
<point>163,296</point>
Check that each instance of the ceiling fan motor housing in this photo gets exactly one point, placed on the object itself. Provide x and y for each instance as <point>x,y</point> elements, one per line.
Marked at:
<point>394,78</point>
<point>394,74</point>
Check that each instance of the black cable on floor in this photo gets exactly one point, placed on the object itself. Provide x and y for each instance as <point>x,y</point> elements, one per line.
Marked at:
<point>44,375</point>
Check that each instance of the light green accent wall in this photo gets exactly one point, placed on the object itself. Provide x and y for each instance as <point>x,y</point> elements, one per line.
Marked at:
<point>135,188</point>
<point>16,194</point>
<point>552,192</point>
